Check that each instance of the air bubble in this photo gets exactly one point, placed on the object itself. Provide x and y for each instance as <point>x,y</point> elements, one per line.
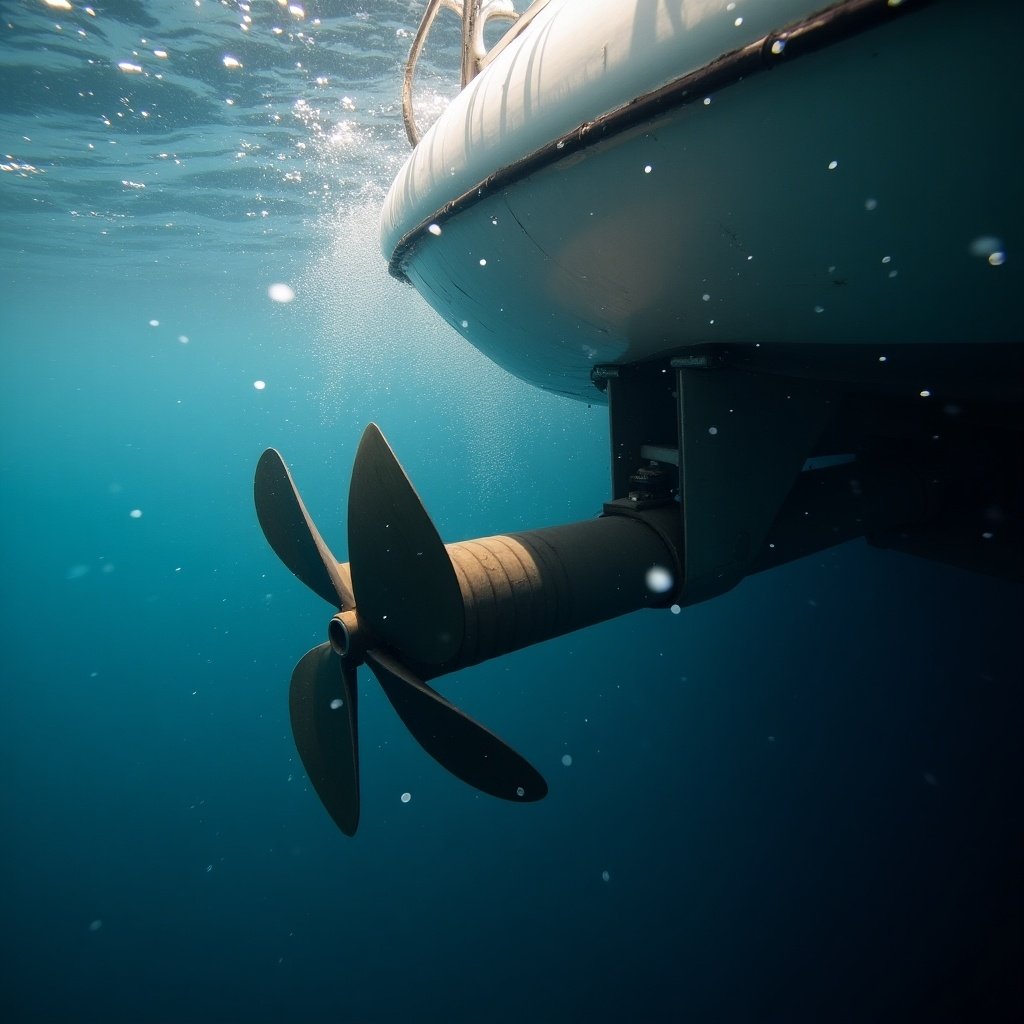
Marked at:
<point>337,703</point>
<point>434,229</point>
<point>567,759</point>
<point>281,292</point>
<point>406,797</point>
<point>659,579</point>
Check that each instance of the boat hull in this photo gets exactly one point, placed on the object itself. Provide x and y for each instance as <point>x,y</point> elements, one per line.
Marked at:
<point>863,194</point>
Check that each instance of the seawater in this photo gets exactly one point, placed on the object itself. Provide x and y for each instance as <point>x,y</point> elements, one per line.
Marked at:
<point>799,802</point>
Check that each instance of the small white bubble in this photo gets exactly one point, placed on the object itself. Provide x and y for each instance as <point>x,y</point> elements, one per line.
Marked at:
<point>713,431</point>
<point>483,263</point>
<point>281,292</point>
<point>520,791</point>
<point>406,797</point>
<point>259,385</point>
<point>95,926</point>
<point>648,168</point>
<point>183,338</point>
<point>738,22</point>
<point>606,876</point>
<point>337,702</point>
<point>434,229</point>
<point>465,324</point>
<point>870,204</point>
<point>707,101</point>
<point>987,535</point>
<point>925,393</point>
<point>883,359</point>
<point>659,579</point>
<point>231,62</point>
<point>887,259</point>
<point>819,309</point>
<point>706,297</point>
<point>136,513</point>
<point>996,259</point>
<point>209,868</point>
<point>154,323</point>
<point>675,609</point>
<point>567,759</point>
<point>833,164</point>
<point>778,46</point>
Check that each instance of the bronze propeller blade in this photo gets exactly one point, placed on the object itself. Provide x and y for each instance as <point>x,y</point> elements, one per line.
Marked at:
<point>466,748</point>
<point>322,703</point>
<point>290,531</point>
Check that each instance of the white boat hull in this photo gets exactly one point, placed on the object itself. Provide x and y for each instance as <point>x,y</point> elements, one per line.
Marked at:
<point>844,198</point>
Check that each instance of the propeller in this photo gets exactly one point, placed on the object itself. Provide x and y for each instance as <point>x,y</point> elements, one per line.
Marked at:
<point>400,611</point>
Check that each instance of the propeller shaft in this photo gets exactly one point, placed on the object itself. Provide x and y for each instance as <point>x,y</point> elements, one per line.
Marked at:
<point>519,589</point>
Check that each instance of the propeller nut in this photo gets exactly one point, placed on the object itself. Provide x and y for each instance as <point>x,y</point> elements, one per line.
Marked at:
<point>344,635</point>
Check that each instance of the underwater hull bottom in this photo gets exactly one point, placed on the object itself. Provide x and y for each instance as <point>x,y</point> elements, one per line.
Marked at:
<point>860,195</point>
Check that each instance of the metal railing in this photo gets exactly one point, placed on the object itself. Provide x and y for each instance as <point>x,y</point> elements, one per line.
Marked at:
<point>474,15</point>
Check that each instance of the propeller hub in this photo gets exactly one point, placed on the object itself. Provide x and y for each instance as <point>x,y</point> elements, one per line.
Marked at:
<point>345,636</point>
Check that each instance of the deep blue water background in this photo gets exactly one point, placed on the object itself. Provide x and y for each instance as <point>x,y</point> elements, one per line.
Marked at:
<point>806,794</point>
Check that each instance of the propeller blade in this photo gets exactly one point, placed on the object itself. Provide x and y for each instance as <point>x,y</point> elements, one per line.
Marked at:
<point>458,743</point>
<point>322,702</point>
<point>409,594</point>
<point>291,533</point>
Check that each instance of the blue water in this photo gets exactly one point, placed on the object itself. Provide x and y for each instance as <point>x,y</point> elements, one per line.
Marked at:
<point>799,802</point>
